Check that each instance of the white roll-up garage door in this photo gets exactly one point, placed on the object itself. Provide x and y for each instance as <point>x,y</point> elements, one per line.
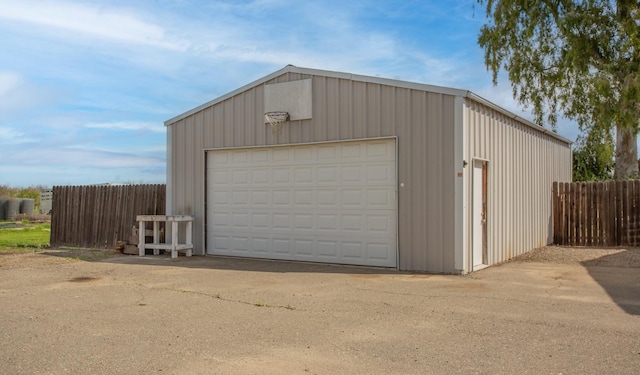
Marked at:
<point>328,202</point>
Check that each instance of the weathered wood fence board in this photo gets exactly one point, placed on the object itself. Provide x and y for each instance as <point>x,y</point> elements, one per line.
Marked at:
<point>603,213</point>
<point>98,216</point>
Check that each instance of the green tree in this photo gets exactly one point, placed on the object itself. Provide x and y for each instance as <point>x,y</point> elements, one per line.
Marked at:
<point>580,58</point>
<point>593,157</point>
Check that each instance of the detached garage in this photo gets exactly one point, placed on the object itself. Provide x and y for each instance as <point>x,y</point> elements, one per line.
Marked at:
<point>319,166</point>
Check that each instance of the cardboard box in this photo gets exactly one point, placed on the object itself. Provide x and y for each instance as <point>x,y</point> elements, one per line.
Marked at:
<point>133,240</point>
<point>130,249</point>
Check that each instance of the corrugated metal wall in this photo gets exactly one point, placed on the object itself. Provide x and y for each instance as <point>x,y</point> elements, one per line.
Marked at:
<point>343,109</point>
<point>523,163</point>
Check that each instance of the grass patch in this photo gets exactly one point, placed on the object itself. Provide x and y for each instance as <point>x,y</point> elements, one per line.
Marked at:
<point>27,238</point>
<point>80,254</point>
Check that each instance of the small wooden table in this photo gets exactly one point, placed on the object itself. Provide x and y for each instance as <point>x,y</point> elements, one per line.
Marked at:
<point>174,246</point>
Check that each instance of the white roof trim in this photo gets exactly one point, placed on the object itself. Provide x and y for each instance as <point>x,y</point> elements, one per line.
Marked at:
<point>362,78</point>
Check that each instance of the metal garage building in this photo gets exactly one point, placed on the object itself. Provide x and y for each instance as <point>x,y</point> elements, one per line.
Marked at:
<point>366,171</point>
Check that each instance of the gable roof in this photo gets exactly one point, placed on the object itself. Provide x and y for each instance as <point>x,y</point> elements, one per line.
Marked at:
<point>368,79</point>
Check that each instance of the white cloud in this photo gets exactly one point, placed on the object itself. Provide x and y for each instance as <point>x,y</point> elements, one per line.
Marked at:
<point>16,94</point>
<point>83,157</point>
<point>154,149</point>
<point>11,136</point>
<point>108,159</point>
<point>75,68</point>
<point>9,81</point>
<point>127,125</point>
<point>91,20</point>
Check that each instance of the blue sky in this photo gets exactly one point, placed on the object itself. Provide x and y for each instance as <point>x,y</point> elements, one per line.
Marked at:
<point>85,86</point>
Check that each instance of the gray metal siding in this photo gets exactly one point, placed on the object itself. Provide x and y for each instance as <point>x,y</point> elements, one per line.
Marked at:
<point>523,163</point>
<point>343,109</point>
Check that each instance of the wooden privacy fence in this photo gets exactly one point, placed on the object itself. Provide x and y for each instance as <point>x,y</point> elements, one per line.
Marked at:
<point>98,216</point>
<point>596,213</point>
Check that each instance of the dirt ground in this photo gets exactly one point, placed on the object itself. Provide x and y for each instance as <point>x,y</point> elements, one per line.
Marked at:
<point>553,311</point>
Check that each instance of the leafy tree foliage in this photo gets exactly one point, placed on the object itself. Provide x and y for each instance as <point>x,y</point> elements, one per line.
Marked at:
<point>580,58</point>
<point>593,157</point>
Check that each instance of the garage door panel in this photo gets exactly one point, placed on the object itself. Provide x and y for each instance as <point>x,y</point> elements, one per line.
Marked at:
<point>260,245</point>
<point>219,180</point>
<point>380,199</point>
<point>240,198</point>
<point>352,198</point>
<point>240,177</point>
<point>281,221</point>
<point>221,219</point>
<point>282,176</point>
<point>282,246</point>
<point>327,198</point>
<point>218,197</point>
<point>239,157</point>
<point>304,198</point>
<point>327,153</point>
<point>352,250</point>
<point>351,223</point>
<point>221,244</point>
<point>378,251</point>
<point>331,203</point>
<point>303,153</point>
<point>281,197</point>
<point>370,225</point>
<point>260,176</point>
<point>304,248</point>
<point>303,175</point>
<point>280,154</point>
<point>240,220</point>
<point>260,221</point>
<point>328,222</point>
<point>351,151</point>
<point>240,244</point>
<point>379,224</point>
<point>351,174</point>
<point>260,197</point>
<point>326,174</point>
<point>380,150</point>
<point>260,156</point>
<point>303,221</point>
<point>380,174</point>
<point>327,249</point>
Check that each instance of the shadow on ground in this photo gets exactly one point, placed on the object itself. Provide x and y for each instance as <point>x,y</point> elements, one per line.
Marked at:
<point>218,263</point>
<point>622,285</point>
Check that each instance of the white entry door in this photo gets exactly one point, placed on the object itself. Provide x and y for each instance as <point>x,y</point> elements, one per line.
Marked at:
<point>329,202</point>
<point>480,213</point>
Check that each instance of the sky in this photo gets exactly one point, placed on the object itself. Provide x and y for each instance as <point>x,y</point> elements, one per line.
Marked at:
<point>85,86</point>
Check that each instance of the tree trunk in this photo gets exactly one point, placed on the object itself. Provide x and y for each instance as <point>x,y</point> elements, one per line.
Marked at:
<point>626,154</point>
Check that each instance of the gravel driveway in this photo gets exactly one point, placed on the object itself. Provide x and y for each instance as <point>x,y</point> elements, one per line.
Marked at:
<point>553,311</point>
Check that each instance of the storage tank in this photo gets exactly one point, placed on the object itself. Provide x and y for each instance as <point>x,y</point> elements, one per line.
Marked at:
<point>12,208</point>
<point>27,205</point>
<point>3,204</point>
